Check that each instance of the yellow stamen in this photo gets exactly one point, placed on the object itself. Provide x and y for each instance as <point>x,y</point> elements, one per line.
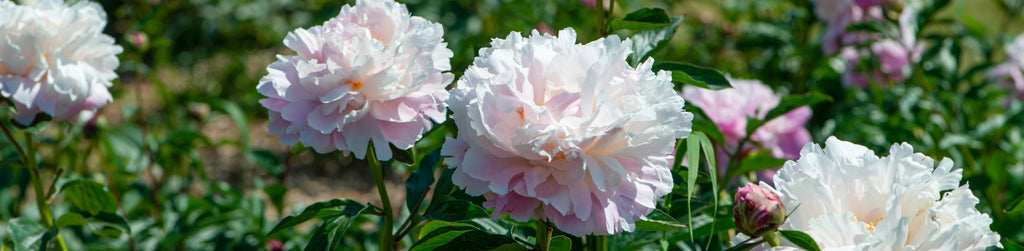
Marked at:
<point>356,85</point>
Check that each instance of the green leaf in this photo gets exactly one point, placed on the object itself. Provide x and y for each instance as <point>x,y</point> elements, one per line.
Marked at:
<point>512,247</point>
<point>25,233</point>
<point>693,157</point>
<point>659,221</point>
<point>331,234</point>
<point>646,43</point>
<point>460,238</point>
<point>434,225</point>
<point>698,76</point>
<point>241,122</point>
<point>560,242</point>
<point>756,161</point>
<point>745,246</point>
<point>347,207</point>
<point>787,104</point>
<point>267,160</point>
<point>1015,207</point>
<point>455,210</point>
<point>420,180</point>
<point>110,220</point>
<point>800,239</point>
<point>89,196</point>
<point>70,219</point>
<point>643,19</point>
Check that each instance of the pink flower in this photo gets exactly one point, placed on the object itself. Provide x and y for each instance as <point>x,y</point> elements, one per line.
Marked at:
<point>1011,73</point>
<point>730,108</point>
<point>371,74</point>
<point>757,210</point>
<point>55,59</point>
<point>565,132</point>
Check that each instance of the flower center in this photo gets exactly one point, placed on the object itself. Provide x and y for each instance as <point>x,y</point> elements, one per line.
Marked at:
<point>355,84</point>
<point>870,225</point>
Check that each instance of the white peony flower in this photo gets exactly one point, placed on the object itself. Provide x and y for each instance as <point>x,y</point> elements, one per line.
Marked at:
<point>847,198</point>
<point>565,132</point>
<point>373,73</point>
<point>55,59</point>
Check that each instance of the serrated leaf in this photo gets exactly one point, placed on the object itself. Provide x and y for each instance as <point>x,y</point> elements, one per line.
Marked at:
<point>89,197</point>
<point>787,105</point>
<point>643,19</point>
<point>25,233</point>
<point>460,238</point>
<point>800,239</point>
<point>421,179</point>
<point>658,221</point>
<point>646,43</point>
<point>698,76</point>
<point>313,211</point>
<point>331,234</point>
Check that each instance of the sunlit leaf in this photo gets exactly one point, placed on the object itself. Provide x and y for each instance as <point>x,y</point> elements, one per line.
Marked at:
<point>694,75</point>
<point>89,196</point>
<point>658,221</point>
<point>329,208</point>
<point>800,239</point>
<point>643,19</point>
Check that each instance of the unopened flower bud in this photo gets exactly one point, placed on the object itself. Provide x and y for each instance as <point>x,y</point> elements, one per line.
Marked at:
<point>757,210</point>
<point>138,39</point>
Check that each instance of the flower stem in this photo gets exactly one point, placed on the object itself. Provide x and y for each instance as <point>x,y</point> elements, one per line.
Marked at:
<point>771,238</point>
<point>42,202</point>
<point>378,176</point>
<point>543,235</point>
<point>598,242</point>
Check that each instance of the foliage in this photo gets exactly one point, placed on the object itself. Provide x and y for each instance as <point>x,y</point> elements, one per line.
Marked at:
<point>148,174</point>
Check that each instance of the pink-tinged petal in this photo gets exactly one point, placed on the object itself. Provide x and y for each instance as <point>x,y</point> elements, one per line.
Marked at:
<point>374,59</point>
<point>571,128</point>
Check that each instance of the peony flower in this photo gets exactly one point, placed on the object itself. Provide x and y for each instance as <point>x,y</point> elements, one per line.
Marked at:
<point>839,14</point>
<point>565,132</point>
<point>848,198</point>
<point>894,56</point>
<point>730,108</point>
<point>371,74</point>
<point>757,210</point>
<point>1011,73</point>
<point>55,59</point>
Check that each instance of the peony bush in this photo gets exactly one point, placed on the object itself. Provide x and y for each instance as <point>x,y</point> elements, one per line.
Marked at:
<point>511,125</point>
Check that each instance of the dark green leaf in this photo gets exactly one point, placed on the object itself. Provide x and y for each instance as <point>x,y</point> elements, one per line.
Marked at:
<point>512,247</point>
<point>694,75</point>
<point>1015,207</point>
<point>787,104</point>
<point>800,239</point>
<point>404,156</point>
<point>110,220</point>
<point>455,210</point>
<point>643,19</point>
<point>871,27</point>
<point>658,221</point>
<point>460,238</point>
<point>348,207</point>
<point>25,233</point>
<point>421,179</point>
<point>89,197</point>
<point>646,43</point>
<point>331,233</point>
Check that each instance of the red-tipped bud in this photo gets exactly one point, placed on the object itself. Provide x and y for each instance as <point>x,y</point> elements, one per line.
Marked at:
<point>757,210</point>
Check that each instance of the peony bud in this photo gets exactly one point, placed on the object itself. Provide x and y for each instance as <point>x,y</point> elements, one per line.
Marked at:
<point>138,39</point>
<point>757,210</point>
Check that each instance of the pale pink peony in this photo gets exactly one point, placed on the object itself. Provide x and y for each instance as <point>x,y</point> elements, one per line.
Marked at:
<point>565,132</point>
<point>847,198</point>
<point>729,109</point>
<point>55,59</point>
<point>839,14</point>
<point>373,73</point>
<point>1011,73</point>
<point>757,210</point>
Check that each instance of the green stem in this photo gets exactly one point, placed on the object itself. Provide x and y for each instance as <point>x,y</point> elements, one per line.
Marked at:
<point>600,18</point>
<point>378,176</point>
<point>598,242</point>
<point>543,235</point>
<point>42,202</point>
<point>772,239</point>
